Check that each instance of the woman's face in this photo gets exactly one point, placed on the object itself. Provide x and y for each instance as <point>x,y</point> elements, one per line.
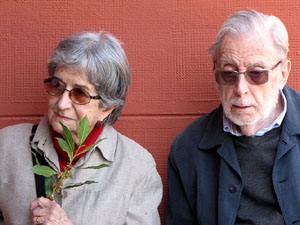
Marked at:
<point>61,108</point>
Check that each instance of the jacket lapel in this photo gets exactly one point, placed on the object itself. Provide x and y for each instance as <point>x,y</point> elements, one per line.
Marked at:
<point>286,171</point>
<point>230,182</point>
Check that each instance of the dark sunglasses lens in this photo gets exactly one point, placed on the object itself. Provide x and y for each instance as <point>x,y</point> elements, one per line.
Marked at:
<point>54,87</point>
<point>80,96</point>
<point>258,77</point>
<point>225,77</point>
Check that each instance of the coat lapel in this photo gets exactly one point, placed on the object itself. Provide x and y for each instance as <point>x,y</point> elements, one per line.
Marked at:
<point>230,182</point>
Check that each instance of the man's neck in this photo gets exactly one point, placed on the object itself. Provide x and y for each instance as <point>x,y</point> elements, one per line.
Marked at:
<point>249,130</point>
<point>252,129</point>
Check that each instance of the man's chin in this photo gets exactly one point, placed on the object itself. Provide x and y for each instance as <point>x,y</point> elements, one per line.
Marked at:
<point>243,120</point>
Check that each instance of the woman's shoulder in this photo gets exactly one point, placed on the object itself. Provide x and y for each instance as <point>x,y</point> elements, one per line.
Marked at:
<point>134,149</point>
<point>16,131</point>
<point>135,162</point>
<point>129,150</point>
<point>14,140</point>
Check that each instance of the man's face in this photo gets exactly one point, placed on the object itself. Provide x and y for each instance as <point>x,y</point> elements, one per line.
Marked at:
<point>248,104</point>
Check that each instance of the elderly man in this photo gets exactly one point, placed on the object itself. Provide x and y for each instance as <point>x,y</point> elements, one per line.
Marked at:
<point>240,164</point>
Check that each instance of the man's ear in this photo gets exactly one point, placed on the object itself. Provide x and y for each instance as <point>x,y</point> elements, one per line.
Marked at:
<point>285,71</point>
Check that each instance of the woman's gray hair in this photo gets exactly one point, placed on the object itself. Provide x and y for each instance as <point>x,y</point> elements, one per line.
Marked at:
<point>245,21</point>
<point>104,60</point>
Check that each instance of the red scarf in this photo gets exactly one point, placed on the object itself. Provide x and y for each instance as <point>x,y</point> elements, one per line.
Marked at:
<point>63,156</point>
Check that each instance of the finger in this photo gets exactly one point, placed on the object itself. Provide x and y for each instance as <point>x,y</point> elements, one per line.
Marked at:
<point>35,204</point>
<point>40,212</point>
<point>38,220</point>
<point>45,201</point>
<point>41,202</point>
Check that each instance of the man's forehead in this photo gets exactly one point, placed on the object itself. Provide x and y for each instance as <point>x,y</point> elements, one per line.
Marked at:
<point>255,61</point>
<point>246,48</point>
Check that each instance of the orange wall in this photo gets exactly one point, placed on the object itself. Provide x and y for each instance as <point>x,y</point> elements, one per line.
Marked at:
<point>166,42</point>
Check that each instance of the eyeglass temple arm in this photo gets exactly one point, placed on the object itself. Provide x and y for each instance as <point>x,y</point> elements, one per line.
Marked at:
<point>95,97</point>
<point>214,65</point>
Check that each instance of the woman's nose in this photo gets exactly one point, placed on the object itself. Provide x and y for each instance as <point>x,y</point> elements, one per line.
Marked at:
<point>64,100</point>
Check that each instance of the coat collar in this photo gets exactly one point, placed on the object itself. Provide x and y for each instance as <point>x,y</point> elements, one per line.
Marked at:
<point>291,122</point>
<point>109,145</point>
<point>214,134</point>
<point>215,139</point>
<point>43,142</point>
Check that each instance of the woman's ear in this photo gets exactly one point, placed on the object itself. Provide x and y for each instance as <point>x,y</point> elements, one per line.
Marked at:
<point>106,112</point>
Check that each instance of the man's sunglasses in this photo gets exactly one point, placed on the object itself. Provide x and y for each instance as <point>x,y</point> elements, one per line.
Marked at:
<point>255,77</point>
<point>56,87</point>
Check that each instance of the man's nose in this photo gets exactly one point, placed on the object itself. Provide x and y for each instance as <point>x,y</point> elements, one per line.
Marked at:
<point>241,85</point>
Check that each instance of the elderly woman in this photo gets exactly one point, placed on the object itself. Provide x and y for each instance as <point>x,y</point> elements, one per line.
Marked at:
<point>88,76</point>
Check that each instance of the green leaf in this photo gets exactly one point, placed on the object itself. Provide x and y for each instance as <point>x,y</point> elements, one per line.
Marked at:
<point>64,145</point>
<point>45,171</point>
<point>94,167</point>
<point>73,185</point>
<point>48,182</point>
<point>83,129</point>
<point>90,147</point>
<point>68,137</point>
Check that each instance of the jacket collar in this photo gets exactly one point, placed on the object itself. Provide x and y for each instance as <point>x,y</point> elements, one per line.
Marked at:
<point>214,134</point>
<point>291,122</point>
<point>214,138</point>
<point>43,142</point>
<point>109,145</point>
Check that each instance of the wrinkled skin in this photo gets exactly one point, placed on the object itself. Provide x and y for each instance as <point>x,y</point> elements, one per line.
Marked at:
<point>61,108</point>
<point>251,107</point>
<point>48,213</point>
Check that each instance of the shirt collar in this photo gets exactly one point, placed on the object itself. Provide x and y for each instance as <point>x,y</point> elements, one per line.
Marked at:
<point>230,127</point>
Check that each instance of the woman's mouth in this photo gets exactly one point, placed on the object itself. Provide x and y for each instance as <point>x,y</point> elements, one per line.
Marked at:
<point>61,117</point>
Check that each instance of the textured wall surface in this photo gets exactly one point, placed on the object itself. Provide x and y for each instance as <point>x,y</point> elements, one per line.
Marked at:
<point>165,40</point>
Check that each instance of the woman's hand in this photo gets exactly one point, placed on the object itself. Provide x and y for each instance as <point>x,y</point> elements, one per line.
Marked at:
<point>47,212</point>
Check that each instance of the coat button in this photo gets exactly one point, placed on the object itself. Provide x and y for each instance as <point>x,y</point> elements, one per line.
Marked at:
<point>233,188</point>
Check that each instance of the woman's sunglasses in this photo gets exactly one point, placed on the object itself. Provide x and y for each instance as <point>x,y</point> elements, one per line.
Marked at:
<point>255,77</point>
<point>56,87</point>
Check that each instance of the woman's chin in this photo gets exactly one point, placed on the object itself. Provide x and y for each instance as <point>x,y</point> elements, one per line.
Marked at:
<point>57,127</point>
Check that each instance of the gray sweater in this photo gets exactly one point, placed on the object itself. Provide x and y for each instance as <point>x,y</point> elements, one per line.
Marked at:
<point>256,156</point>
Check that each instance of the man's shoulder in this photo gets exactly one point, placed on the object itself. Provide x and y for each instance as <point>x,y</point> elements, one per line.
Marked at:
<point>291,93</point>
<point>291,123</point>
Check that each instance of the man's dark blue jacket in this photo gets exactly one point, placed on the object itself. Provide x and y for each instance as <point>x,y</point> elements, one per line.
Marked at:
<point>204,177</point>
